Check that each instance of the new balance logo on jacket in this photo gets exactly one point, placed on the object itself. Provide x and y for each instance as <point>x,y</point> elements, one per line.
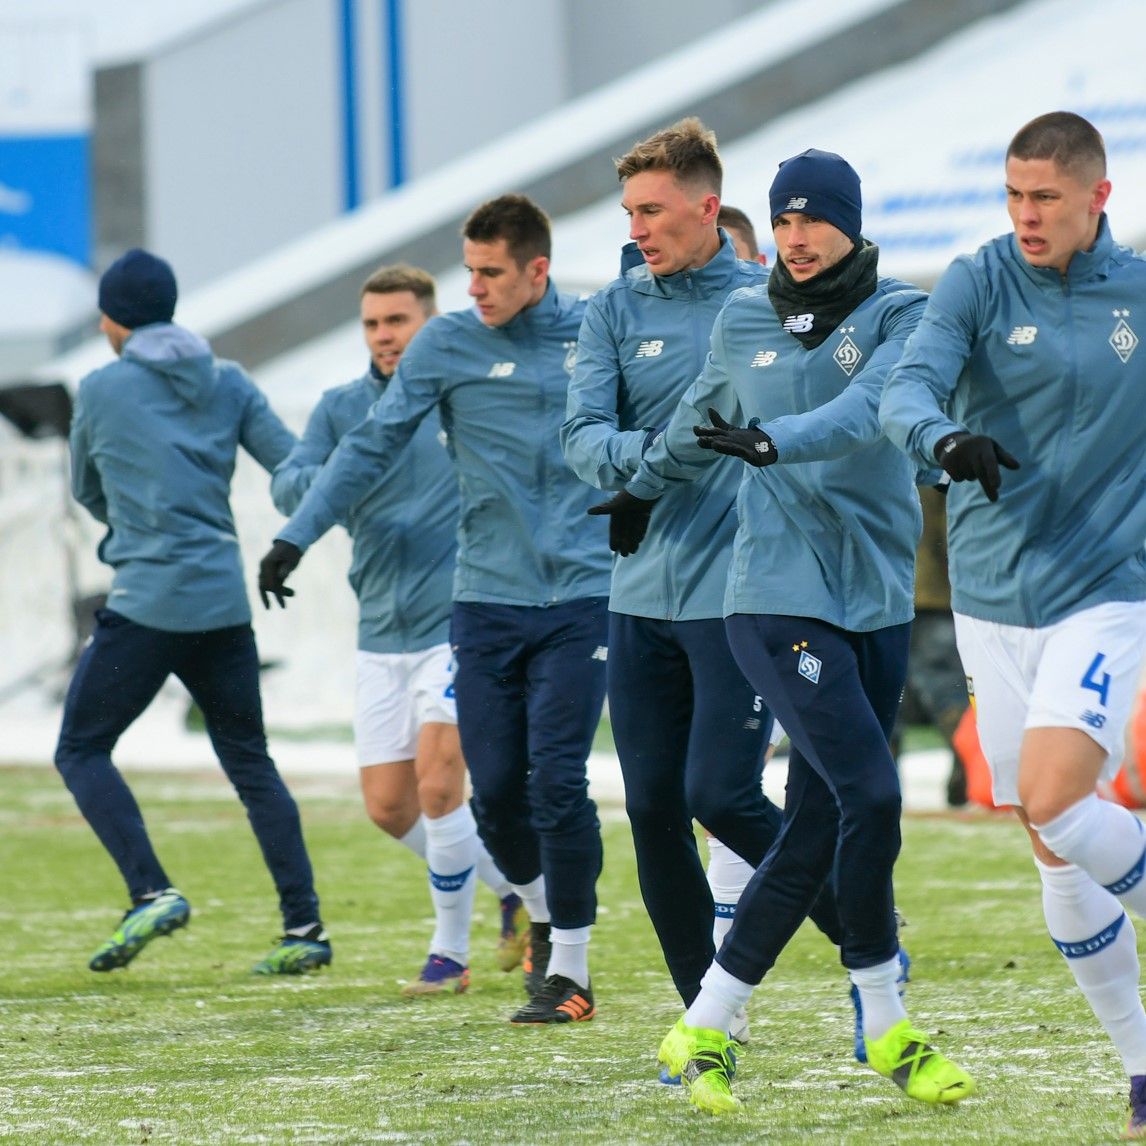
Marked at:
<point>650,348</point>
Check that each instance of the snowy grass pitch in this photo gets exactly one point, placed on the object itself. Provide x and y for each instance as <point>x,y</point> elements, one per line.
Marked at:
<point>186,1046</point>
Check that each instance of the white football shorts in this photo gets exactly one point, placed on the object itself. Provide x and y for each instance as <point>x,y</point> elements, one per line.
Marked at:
<point>395,695</point>
<point>1081,672</point>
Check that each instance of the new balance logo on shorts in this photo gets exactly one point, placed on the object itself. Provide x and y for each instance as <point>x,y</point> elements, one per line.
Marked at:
<point>600,653</point>
<point>1022,336</point>
<point>650,348</point>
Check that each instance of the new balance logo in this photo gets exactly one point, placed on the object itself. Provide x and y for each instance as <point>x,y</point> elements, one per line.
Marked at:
<point>502,369</point>
<point>796,203</point>
<point>1022,336</point>
<point>763,358</point>
<point>799,323</point>
<point>650,349</point>
<point>600,653</point>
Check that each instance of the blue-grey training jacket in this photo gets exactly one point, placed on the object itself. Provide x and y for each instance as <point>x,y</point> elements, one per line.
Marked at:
<point>404,529</point>
<point>1051,368</point>
<point>642,343</point>
<point>828,531</point>
<point>154,437</point>
<point>524,537</point>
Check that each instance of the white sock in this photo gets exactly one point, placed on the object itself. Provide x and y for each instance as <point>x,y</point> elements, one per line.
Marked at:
<point>415,838</point>
<point>879,997</point>
<point>728,875</point>
<point>1107,842</point>
<point>533,896</point>
<point>1090,928</point>
<point>721,996</point>
<point>570,955</point>
<point>490,874</point>
<point>451,855</point>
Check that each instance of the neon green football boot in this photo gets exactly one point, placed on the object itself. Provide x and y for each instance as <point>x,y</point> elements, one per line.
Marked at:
<point>921,1072</point>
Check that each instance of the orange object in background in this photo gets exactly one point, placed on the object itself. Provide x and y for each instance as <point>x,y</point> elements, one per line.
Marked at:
<point>966,742</point>
<point>1128,788</point>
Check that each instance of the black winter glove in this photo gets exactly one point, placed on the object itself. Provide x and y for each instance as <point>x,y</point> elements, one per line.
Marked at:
<point>280,562</point>
<point>974,457</point>
<point>749,444</point>
<point>628,521</point>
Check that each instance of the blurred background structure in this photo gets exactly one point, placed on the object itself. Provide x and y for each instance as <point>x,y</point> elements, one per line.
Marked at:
<point>276,151</point>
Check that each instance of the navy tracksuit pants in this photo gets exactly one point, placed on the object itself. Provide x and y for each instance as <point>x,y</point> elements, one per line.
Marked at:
<point>836,694</point>
<point>691,734</point>
<point>117,677</point>
<point>530,683</point>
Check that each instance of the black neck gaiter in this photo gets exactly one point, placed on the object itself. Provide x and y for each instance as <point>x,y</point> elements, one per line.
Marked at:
<point>811,310</point>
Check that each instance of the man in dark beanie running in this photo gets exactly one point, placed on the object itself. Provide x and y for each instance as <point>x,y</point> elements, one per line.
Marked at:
<point>154,439</point>
<point>818,605</point>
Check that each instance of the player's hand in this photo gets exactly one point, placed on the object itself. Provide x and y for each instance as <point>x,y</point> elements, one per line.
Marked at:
<point>628,521</point>
<point>750,444</point>
<point>974,457</point>
<point>280,562</point>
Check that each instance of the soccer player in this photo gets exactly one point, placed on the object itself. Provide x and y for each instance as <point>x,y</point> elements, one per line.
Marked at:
<point>405,722</point>
<point>690,731</point>
<point>1031,346</point>
<point>154,439</point>
<point>818,604</point>
<point>528,626</point>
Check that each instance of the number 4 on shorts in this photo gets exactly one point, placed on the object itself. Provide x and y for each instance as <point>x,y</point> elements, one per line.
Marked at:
<point>1093,680</point>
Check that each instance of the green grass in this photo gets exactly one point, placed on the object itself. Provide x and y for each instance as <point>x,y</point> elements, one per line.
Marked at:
<point>186,1046</point>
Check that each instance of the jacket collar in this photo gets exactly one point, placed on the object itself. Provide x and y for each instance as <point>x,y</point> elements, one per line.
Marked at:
<point>1084,265</point>
<point>714,276</point>
<point>537,317</point>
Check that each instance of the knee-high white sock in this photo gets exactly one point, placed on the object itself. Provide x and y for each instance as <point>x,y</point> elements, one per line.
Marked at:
<point>570,954</point>
<point>880,999</point>
<point>451,855</point>
<point>728,875</point>
<point>1097,938</point>
<point>721,996</point>
<point>415,838</point>
<point>1107,842</point>
<point>533,896</point>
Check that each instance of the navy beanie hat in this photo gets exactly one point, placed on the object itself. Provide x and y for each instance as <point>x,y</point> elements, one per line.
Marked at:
<point>819,183</point>
<point>138,289</point>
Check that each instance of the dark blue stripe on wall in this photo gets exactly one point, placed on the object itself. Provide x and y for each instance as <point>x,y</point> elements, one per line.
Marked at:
<point>395,69</point>
<point>347,40</point>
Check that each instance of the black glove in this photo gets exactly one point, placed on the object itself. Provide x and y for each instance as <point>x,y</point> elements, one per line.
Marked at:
<point>280,562</point>
<point>974,457</point>
<point>628,521</point>
<point>749,444</point>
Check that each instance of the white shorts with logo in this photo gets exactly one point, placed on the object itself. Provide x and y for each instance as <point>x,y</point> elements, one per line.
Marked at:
<point>1081,672</point>
<point>396,694</point>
